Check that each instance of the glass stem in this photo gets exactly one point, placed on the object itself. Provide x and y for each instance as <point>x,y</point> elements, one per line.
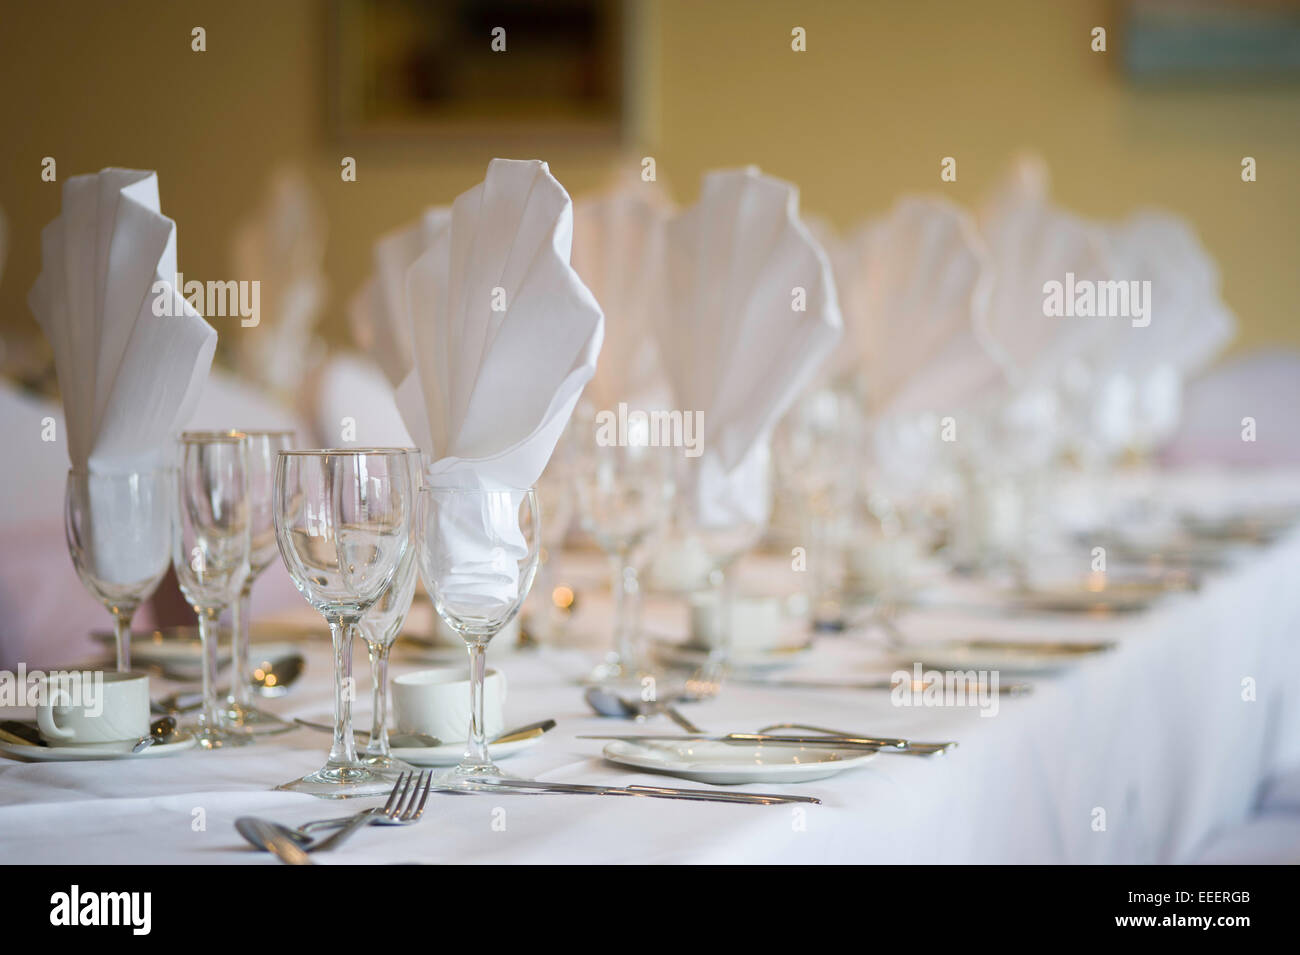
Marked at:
<point>722,597</point>
<point>627,594</point>
<point>122,636</point>
<point>240,691</point>
<point>209,717</point>
<point>476,753</point>
<point>378,745</point>
<point>344,750</point>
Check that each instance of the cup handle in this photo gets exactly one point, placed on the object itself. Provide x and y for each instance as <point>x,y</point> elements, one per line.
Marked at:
<point>45,720</point>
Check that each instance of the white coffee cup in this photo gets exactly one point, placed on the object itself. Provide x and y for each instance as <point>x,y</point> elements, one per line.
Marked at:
<point>436,702</point>
<point>94,709</point>
<point>759,623</point>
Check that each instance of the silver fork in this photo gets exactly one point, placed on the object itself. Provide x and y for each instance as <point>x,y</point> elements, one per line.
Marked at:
<point>405,806</point>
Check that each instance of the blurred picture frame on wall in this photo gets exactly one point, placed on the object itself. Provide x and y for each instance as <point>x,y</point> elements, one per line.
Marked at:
<point>1211,41</point>
<point>467,71</point>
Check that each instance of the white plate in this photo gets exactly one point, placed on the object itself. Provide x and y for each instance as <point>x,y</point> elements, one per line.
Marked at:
<point>1117,597</point>
<point>730,764</point>
<point>450,754</point>
<point>685,656</point>
<point>1005,657</point>
<point>78,754</point>
<point>180,647</point>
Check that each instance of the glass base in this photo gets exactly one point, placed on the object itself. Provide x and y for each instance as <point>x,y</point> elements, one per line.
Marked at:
<point>388,765</point>
<point>613,671</point>
<point>342,782</point>
<point>252,720</point>
<point>219,737</point>
<point>471,778</point>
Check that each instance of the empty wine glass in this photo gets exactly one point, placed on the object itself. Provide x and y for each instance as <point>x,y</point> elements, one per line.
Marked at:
<point>342,521</point>
<point>379,628</point>
<point>713,528</point>
<point>477,550</point>
<point>260,448</point>
<point>119,528</point>
<point>210,548</point>
<point>625,495</point>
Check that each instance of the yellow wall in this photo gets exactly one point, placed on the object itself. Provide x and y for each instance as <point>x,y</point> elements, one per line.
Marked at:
<point>885,89</point>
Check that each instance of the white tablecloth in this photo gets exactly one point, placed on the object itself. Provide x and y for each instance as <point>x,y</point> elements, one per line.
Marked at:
<point>1157,734</point>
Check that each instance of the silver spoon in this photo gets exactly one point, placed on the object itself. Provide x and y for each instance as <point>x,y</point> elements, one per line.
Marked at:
<point>160,731</point>
<point>608,703</point>
<point>272,680</point>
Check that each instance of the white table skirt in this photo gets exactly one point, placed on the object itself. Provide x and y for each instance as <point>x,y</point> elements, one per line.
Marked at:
<point>1156,734</point>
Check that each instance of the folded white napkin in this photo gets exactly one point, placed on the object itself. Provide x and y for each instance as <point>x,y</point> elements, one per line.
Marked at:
<point>381,321</point>
<point>1190,323</point>
<point>1033,243</point>
<point>913,287</point>
<point>283,248</point>
<point>504,337</point>
<point>618,250</point>
<point>750,315</point>
<point>1135,372</point>
<point>129,376</point>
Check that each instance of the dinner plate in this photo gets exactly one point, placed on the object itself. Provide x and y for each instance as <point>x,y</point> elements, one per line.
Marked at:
<point>686,656</point>
<point>1114,597</point>
<point>450,754</point>
<point>726,764</point>
<point>1004,656</point>
<point>77,754</point>
<point>180,647</point>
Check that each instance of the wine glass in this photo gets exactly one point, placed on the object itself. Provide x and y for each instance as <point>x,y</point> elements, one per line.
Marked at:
<point>379,628</point>
<point>719,517</point>
<point>625,494</point>
<point>342,521</point>
<point>551,606</point>
<point>260,448</point>
<point>477,549</point>
<point>119,529</point>
<point>210,551</point>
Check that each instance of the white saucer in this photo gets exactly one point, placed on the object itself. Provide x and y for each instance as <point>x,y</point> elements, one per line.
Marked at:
<point>180,647</point>
<point>686,656</point>
<point>730,764</point>
<point>1118,597</point>
<point>450,754</point>
<point>78,754</point>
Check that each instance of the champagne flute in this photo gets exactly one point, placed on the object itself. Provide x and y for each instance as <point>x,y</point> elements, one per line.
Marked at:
<point>119,528</point>
<point>477,549</point>
<point>261,448</point>
<point>343,523</point>
<point>379,628</point>
<point>210,552</point>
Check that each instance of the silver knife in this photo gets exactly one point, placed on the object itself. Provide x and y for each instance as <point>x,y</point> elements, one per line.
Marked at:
<point>839,742</point>
<point>1004,689</point>
<point>661,792</point>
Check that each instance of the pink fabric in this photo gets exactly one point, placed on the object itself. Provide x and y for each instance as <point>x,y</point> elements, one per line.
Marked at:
<point>46,616</point>
<point>1263,385</point>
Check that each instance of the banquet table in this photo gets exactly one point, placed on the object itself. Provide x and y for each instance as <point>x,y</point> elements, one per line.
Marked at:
<point>1160,739</point>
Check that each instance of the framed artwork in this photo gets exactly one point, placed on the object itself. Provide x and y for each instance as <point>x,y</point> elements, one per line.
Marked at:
<point>1211,40</point>
<point>466,70</point>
